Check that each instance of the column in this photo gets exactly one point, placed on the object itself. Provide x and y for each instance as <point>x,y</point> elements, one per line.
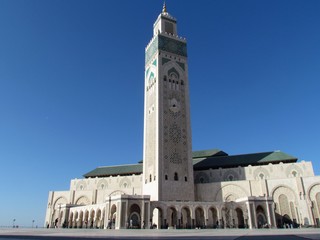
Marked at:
<point>250,220</point>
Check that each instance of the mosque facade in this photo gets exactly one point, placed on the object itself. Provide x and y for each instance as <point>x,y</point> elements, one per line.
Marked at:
<point>175,187</point>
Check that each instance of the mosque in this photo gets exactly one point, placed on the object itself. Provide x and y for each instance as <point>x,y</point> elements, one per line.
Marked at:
<point>175,187</point>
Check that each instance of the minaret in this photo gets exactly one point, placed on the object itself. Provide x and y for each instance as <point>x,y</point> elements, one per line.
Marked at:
<point>167,154</point>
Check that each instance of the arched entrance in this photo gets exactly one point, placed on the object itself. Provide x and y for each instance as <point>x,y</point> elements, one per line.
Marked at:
<point>157,218</point>
<point>134,216</point>
<point>172,217</point>
<point>113,217</point>
<point>91,220</point>
<point>261,217</point>
<point>80,220</point>
<point>185,218</point>
<point>85,223</point>
<point>74,224</point>
<point>70,224</point>
<point>240,218</point>
<point>212,218</point>
<point>200,221</point>
<point>98,219</point>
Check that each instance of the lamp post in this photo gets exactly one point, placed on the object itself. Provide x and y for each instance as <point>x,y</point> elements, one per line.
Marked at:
<point>32,223</point>
<point>14,220</point>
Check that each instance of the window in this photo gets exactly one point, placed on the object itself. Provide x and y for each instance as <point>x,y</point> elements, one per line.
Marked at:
<point>168,27</point>
<point>176,176</point>
<point>294,173</point>
<point>150,178</point>
<point>185,179</point>
<point>261,175</point>
<point>165,78</point>
<point>166,177</point>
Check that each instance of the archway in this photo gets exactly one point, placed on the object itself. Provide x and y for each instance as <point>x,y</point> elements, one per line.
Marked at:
<point>157,218</point>
<point>172,217</point>
<point>240,218</point>
<point>80,219</point>
<point>75,218</point>
<point>70,223</point>
<point>86,219</point>
<point>213,218</point>
<point>113,216</point>
<point>261,217</point>
<point>91,220</point>
<point>185,218</point>
<point>98,219</point>
<point>134,216</point>
<point>200,221</point>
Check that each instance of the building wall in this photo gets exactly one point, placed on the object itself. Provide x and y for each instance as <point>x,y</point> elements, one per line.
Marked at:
<point>292,186</point>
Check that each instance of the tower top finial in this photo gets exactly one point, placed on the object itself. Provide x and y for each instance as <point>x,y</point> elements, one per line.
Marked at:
<point>164,9</point>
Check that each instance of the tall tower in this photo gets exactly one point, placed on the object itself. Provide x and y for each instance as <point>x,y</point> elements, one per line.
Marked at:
<point>167,154</point>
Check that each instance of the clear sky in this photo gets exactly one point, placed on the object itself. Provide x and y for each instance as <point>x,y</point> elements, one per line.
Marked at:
<point>71,86</point>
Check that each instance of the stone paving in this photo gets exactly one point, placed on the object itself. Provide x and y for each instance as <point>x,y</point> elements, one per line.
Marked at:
<point>230,234</point>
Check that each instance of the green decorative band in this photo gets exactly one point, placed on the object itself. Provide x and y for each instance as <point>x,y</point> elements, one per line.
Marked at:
<point>166,44</point>
<point>165,60</point>
<point>181,65</point>
<point>154,62</point>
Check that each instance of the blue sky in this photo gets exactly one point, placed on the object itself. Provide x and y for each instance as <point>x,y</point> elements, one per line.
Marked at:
<point>71,86</point>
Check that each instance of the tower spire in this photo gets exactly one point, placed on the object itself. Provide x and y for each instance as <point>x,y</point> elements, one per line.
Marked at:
<point>164,8</point>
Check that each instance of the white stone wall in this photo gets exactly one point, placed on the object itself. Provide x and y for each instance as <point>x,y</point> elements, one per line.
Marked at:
<point>270,171</point>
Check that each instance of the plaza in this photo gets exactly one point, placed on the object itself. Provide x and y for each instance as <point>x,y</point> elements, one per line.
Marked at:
<point>64,234</point>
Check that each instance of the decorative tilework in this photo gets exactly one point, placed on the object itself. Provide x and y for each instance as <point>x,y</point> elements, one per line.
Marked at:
<point>154,62</point>
<point>165,60</point>
<point>181,65</point>
<point>166,44</point>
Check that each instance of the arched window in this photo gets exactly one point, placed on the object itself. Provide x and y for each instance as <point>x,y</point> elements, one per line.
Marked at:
<point>294,173</point>
<point>166,177</point>
<point>150,178</point>
<point>165,78</point>
<point>176,176</point>
<point>185,179</point>
<point>261,175</point>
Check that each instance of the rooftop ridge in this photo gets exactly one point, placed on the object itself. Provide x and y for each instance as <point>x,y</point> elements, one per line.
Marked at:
<point>130,164</point>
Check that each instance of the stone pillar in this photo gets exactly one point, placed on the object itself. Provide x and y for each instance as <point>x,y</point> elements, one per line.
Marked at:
<point>250,220</point>
<point>143,222</point>
<point>254,215</point>
<point>269,213</point>
<point>273,215</point>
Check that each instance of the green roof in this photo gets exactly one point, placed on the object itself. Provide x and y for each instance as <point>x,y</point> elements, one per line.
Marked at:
<point>202,160</point>
<point>128,169</point>
<point>208,153</point>
<point>243,160</point>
